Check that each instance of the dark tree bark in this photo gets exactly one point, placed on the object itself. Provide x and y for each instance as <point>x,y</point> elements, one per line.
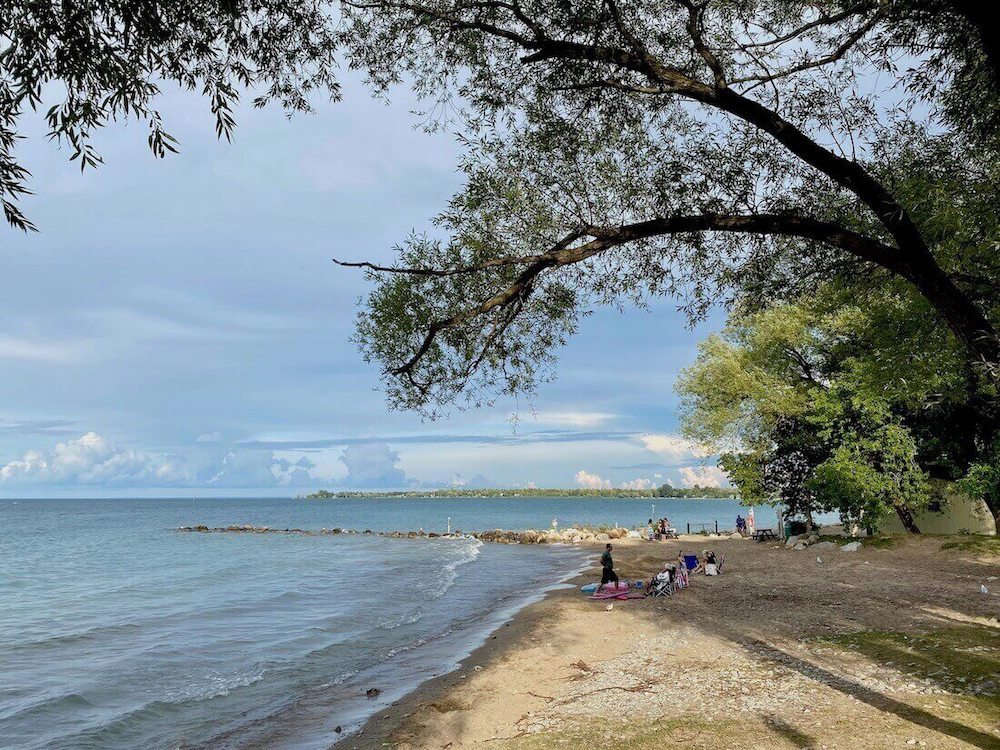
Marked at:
<point>906,517</point>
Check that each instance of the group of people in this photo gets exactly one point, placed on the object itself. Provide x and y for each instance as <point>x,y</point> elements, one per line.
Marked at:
<point>745,526</point>
<point>660,530</point>
<point>677,572</point>
<point>673,572</point>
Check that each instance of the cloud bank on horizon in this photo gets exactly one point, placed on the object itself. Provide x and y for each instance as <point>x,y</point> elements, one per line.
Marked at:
<point>91,462</point>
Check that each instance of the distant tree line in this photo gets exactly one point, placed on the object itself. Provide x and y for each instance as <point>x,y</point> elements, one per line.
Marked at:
<point>663,491</point>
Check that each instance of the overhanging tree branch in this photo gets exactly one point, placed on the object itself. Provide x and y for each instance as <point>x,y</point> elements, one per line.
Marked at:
<point>564,254</point>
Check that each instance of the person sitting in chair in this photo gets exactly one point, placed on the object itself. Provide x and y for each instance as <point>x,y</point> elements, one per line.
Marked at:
<point>709,564</point>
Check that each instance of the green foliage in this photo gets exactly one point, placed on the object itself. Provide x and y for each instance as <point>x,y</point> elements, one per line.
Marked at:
<point>779,386</point>
<point>983,478</point>
<point>872,468</point>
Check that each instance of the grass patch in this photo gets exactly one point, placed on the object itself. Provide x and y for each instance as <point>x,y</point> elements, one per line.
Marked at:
<point>980,544</point>
<point>963,659</point>
<point>881,541</point>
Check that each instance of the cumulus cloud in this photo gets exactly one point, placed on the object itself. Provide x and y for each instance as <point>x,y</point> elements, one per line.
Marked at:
<point>91,460</point>
<point>372,465</point>
<point>706,476</point>
<point>672,447</point>
<point>592,481</point>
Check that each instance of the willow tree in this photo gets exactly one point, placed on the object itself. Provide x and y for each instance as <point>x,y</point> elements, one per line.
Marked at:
<point>622,151</point>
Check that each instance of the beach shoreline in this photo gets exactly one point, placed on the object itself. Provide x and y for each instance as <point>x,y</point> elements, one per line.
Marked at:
<point>504,640</point>
<point>563,668</point>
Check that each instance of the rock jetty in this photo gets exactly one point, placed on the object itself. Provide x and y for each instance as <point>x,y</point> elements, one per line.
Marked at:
<point>571,535</point>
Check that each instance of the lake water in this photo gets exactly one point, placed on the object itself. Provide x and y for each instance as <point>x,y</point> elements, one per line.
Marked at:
<point>116,631</point>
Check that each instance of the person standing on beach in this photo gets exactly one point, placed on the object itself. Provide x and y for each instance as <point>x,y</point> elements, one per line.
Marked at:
<point>607,569</point>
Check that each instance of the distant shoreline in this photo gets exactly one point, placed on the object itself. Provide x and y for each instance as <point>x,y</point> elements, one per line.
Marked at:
<point>664,493</point>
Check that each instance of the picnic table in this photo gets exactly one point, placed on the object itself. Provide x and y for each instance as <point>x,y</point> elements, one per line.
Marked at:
<point>764,535</point>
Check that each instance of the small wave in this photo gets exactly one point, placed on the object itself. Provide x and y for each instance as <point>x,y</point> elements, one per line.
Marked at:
<point>92,633</point>
<point>215,685</point>
<point>404,619</point>
<point>449,572</point>
<point>56,703</point>
<point>129,723</point>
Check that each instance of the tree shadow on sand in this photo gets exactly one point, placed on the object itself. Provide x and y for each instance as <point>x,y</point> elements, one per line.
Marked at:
<point>873,698</point>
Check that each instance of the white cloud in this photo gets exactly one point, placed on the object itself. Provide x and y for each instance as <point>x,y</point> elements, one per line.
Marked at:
<point>672,447</point>
<point>372,465</point>
<point>592,481</point>
<point>577,419</point>
<point>92,460</point>
<point>707,476</point>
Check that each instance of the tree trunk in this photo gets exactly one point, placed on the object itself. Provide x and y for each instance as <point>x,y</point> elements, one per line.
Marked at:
<point>994,506</point>
<point>959,312</point>
<point>906,516</point>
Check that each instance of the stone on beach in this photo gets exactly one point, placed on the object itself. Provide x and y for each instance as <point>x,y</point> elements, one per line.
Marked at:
<point>852,547</point>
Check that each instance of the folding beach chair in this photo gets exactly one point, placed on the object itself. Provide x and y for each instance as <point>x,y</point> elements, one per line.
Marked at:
<point>690,562</point>
<point>662,586</point>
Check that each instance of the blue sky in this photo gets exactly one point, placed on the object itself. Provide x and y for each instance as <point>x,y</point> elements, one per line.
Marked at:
<point>177,326</point>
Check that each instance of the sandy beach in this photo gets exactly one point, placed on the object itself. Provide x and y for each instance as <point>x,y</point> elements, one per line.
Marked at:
<point>892,646</point>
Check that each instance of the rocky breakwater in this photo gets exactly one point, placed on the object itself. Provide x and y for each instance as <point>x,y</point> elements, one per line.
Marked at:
<point>572,535</point>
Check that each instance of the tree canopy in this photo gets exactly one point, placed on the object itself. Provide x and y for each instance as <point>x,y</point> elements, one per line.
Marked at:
<point>700,150</point>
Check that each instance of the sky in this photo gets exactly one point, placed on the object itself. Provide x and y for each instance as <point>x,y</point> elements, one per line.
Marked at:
<point>177,327</point>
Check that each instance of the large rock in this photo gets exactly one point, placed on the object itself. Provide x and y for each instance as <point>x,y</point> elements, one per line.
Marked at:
<point>793,540</point>
<point>634,534</point>
<point>826,545</point>
<point>852,547</point>
<point>602,537</point>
